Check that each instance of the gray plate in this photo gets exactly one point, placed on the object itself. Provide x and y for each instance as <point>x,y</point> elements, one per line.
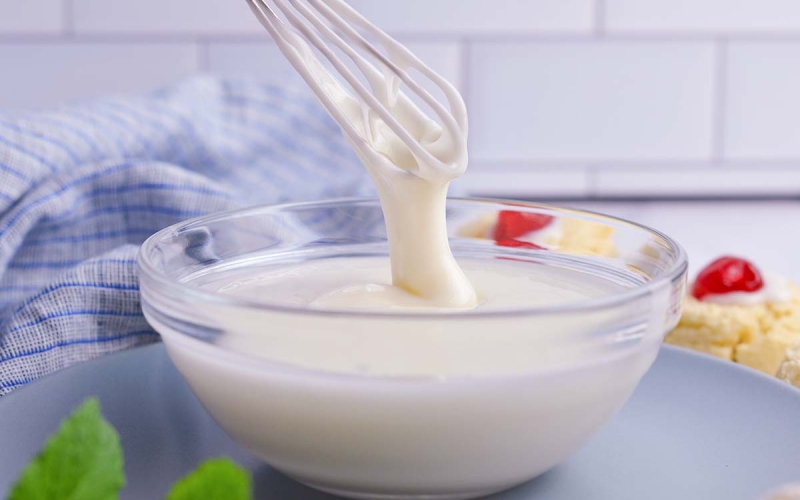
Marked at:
<point>696,428</point>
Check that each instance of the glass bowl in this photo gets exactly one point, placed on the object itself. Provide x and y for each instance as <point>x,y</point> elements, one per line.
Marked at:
<point>462,404</point>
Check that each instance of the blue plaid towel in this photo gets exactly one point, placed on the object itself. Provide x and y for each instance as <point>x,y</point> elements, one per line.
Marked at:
<point>83,187</point>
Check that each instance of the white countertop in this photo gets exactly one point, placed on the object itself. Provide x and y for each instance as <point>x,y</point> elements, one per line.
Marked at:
<point>766,232</point>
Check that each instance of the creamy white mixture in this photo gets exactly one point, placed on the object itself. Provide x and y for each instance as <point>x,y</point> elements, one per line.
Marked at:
<point>776,289</point>
<point>365,283</point>
<point>412,188</point>
<point>450,343</point>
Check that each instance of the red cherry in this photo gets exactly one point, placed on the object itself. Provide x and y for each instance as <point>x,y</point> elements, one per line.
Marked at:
<point>518,244</point>
<point>727,274</point>
<point>511,224</point>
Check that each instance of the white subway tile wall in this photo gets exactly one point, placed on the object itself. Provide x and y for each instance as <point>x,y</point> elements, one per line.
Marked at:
<point>474,17</point>
<point>41,74</point>
<point>263,60</point>
<point>702,16</point>
<point>567,98</point>
<point>763,115</point>
<point>591,100</point>
<point>524,183</point>
<point>699,182</point>
<point>31,16</point>
<point>163,17</point>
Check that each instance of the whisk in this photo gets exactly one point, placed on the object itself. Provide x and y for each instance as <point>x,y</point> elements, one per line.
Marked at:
<point>434,150</point>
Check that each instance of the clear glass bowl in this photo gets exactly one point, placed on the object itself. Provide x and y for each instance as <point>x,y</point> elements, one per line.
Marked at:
<point>468,414</point>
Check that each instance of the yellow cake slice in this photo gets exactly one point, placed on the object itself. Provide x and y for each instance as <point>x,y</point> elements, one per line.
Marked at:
<point>753,334</point>
<point>569,235</point>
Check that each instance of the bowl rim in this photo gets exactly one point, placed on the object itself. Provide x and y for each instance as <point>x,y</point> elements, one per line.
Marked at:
<point>199,295</point>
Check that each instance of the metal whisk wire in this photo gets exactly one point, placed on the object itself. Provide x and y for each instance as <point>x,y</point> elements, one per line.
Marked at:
<point>308,18</point>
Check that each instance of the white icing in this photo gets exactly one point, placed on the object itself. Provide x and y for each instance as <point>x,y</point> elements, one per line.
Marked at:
<point>776,289</point>
<point>546,236</point>
<point>448,345</point>
<point>364,283</point>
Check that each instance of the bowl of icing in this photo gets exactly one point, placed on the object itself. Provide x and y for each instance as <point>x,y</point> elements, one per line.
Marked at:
<point>284,322</point>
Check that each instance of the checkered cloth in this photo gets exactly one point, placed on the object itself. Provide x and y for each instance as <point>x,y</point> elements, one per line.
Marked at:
<point>81,188</point>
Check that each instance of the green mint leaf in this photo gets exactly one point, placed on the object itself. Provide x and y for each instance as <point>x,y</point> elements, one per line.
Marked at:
<point>217,479</point>
<point>81,461</point>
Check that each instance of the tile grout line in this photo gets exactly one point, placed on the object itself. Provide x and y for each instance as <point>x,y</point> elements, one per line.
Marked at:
<point>592,180</point>
<point>628,165</point>
<point>599,18</point>
<point>476,37</point>
<point>464,61</point>
<point>68,18</point>
<point>719,114</point>
<point>203,55</point>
